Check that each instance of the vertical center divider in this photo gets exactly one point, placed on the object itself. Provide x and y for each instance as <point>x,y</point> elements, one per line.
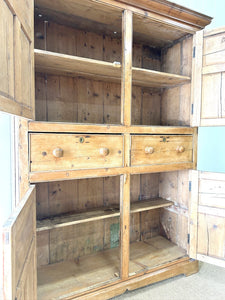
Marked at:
<point>126,101</point>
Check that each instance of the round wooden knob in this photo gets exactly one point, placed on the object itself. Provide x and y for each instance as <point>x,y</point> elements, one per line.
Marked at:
<point>104,151</point>
<point>149,150</point>
<point>58,152</point>
<point>180,149</point>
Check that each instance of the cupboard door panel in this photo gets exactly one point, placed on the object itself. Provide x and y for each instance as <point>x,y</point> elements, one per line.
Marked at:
<point>6,52</point>
<point>19,250</point>
<point>207,218</point>
<point>16,58</point>
<point>75,151</point>
<point>209,79</point>
<point>211,215</point>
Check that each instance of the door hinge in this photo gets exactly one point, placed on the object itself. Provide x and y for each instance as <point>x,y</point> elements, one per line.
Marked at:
<point>188,238</point>
<point>192,108</point>
<point>194,52</point>
<point>190,186</point>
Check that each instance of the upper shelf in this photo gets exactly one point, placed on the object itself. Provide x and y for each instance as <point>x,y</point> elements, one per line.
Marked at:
<point>158,22</point>
<point>61,64</point>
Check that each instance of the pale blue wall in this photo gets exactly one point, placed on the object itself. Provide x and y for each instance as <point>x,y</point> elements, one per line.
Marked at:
<point>211,149</point>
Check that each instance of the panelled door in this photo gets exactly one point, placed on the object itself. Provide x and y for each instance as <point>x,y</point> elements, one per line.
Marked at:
<point>19,250</point>
<point>207,219</point>
<point>17,98</point>
<point>16,57</point>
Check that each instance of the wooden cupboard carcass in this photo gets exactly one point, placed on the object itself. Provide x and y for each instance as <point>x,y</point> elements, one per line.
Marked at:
<point>111,151</point>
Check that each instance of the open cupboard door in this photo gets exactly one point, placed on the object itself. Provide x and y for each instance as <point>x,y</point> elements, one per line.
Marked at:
<point>207,217</point>
<point>17,98</point>
<point>19,250</point>
<point>16,58</point>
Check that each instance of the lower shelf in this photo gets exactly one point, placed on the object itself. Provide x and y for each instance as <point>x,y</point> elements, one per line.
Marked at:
<point>99,214</point>
<point>101,268</point>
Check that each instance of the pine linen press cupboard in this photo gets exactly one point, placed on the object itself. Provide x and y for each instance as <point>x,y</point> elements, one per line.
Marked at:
<point>117,90</point>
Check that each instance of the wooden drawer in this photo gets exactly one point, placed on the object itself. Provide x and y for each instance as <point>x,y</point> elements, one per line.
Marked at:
<point>74,151</point>
<point>157,149</point>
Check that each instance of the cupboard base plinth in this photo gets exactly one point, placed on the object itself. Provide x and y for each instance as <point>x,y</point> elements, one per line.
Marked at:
<point>187,268</point>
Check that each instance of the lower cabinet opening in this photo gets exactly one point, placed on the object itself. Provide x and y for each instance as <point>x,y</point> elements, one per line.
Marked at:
<point>86,256</point>
<point>159,235</point>
<point>78,230</point>
<point>78,225</point>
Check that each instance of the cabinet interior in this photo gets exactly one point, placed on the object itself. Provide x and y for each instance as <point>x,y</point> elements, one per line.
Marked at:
<point>62,95</point>
<point>82,246</point>
<point>78,60</point>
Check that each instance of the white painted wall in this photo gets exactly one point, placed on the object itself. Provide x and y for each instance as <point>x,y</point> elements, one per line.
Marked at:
<point>5,176</point>
<point>5,167</point>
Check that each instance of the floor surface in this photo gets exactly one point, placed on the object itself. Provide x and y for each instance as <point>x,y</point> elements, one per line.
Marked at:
<point>207,284</point>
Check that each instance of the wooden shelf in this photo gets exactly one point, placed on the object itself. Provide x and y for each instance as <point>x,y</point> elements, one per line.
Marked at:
<point>149,78</point>
<point>94,270</point>
<point>98,214</point>
<point>77,218</point>
<point>62,64</point>
<point>144,205</point>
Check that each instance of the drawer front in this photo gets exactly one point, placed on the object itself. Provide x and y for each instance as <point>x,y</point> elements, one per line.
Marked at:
<point>155,149</point>
<point>74,151</point>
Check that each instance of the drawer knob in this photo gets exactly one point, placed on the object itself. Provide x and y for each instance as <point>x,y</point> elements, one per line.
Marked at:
<point>58,152</point>
<point>104,151</point>
<point>149,150</point>
<point>180,149</point>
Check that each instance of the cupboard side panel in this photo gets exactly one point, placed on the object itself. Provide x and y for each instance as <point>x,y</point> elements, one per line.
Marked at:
<point>174,186</point>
